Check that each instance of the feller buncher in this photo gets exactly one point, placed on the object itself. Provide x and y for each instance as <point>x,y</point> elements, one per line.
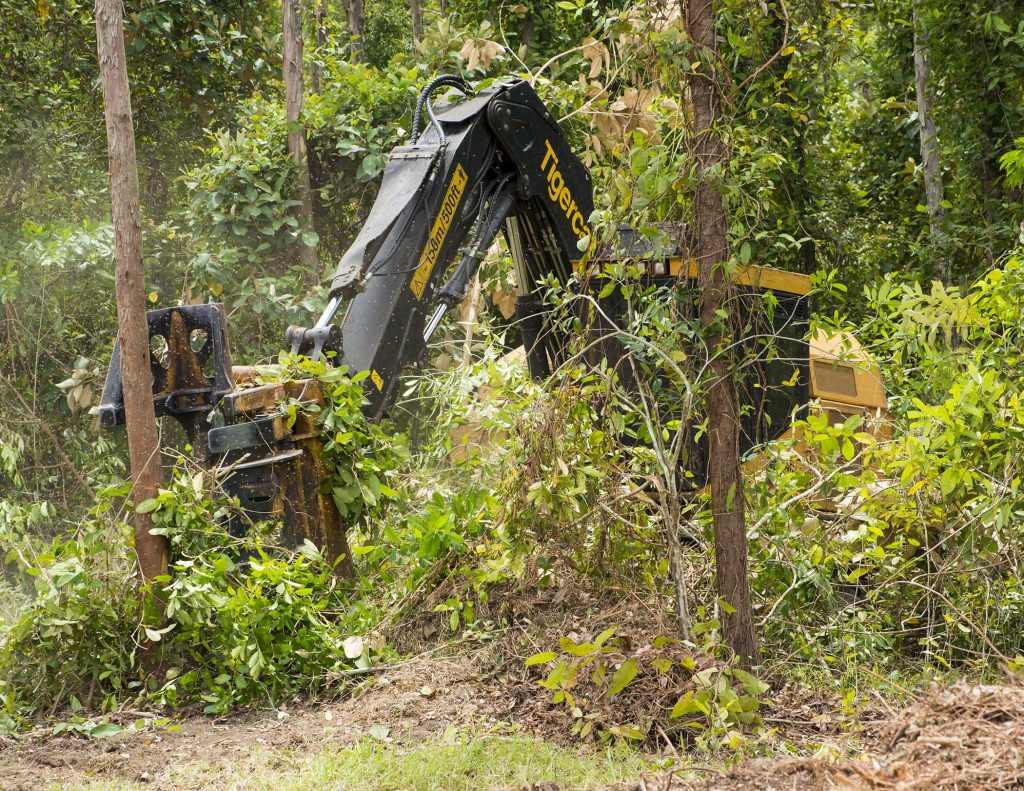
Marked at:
<point>494,162</point>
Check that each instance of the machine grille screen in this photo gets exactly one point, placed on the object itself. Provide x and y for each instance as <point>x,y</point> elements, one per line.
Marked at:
<point>837,379</point>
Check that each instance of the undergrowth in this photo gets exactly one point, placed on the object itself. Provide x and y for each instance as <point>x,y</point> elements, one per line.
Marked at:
<point>883,553</point>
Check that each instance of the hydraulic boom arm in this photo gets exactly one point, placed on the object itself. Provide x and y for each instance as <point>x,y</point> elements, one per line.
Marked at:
<point>495,162</point>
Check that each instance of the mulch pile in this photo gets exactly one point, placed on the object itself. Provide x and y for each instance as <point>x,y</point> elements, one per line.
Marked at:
<point>960,737</point>
<point>955,738</point>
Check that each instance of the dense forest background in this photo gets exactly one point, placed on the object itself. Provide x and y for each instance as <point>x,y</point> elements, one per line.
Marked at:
<point>910,226</point>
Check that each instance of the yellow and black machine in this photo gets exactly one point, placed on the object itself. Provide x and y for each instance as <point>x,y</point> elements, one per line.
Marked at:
<point>496,162</point>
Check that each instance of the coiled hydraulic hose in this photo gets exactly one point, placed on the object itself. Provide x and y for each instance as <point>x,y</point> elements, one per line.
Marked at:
<point>445,80</point>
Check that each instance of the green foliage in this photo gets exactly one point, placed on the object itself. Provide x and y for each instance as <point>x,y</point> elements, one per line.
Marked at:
<point>358,455</point>
<point>241,195</point>
<point>240,192</point>
<point>922,556</point>
<point>75,644</point>
<point>246,623</point>
<point>1012,162</point>
<point>719,702</point>
<point>260,630</point>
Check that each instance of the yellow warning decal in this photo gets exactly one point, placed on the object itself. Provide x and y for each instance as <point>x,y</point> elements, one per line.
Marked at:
<point>449,207</point>
<point>375,378</point>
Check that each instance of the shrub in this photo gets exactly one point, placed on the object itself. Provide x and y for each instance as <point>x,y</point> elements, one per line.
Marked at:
<point>246,621</point>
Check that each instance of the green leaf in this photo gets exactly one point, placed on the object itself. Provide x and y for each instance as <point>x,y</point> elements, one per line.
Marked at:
<point>540,659</point>
<point>687,704</point>
<point>628,732</point>
<point>950,480</point>
<point>752,685</point>
<point>105,729</point>
<point>148,506</point>
<point>745,252</point>
<point>622,677</point>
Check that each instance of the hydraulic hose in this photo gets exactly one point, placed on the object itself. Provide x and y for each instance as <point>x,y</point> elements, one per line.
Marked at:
<point>449,80</point>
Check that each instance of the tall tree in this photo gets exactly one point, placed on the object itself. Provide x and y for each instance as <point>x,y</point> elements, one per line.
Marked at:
<point>928,134</point>
<point>316,65</point>
<point>129,284</point>
<point>355,30</point>
<point>721,402</point>
<point>416,10</point>
<point>293,92</point>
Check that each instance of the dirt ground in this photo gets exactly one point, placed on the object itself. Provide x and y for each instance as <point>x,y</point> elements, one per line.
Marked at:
<point>414,701</point>
<point>954,738</point>
<point>957,738</point>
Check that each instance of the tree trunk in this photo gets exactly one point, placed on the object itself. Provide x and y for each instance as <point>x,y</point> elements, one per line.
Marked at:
<point>527,33</point>
<point>316,65</point>
<point>130,291</point>
<point>721,401</point>
<point>355,29</point>
<point>417,19</point>
<point>929,137</point>
<point>292,26</point>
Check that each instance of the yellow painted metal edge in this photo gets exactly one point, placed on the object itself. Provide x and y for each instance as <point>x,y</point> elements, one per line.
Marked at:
<point>756,276</point>
<point>764,277</point>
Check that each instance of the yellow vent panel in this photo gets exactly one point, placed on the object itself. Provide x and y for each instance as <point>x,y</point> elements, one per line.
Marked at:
<point>835,378</point>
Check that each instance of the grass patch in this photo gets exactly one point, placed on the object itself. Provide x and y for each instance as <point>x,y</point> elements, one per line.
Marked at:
<point>456,761</point>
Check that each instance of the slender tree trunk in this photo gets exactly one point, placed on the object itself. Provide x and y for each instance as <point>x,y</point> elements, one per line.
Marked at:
<point>670,508</point>
<point>293,79</point>
<point>721,401</point>
<point>527,33</point>
<point>355,30</point>
<point>928,136</point>
<point>417,19</point>
<point>316,65</point>
<point>130,290</point>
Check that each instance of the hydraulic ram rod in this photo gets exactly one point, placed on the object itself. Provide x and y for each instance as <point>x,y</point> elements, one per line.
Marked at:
<point>454,291</point>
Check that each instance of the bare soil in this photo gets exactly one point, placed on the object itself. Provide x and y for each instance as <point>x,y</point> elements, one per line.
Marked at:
<point>954,738</point>
<point>413,700</point>
<point>961,737</point>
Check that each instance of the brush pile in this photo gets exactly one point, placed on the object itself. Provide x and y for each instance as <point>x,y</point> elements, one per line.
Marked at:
<point>954,738</point>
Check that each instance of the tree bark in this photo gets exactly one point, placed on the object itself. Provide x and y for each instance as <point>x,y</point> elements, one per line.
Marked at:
<point>721,404</point>
<point>355,30</point>
<point>293,92</point>
<point>928,137</point>
<point>417,19</point>
<point>316,65</point>
<point>130,288</point>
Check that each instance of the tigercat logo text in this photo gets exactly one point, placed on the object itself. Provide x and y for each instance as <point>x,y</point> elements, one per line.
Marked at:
<point>452,198</point>
<point>562,197</point>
